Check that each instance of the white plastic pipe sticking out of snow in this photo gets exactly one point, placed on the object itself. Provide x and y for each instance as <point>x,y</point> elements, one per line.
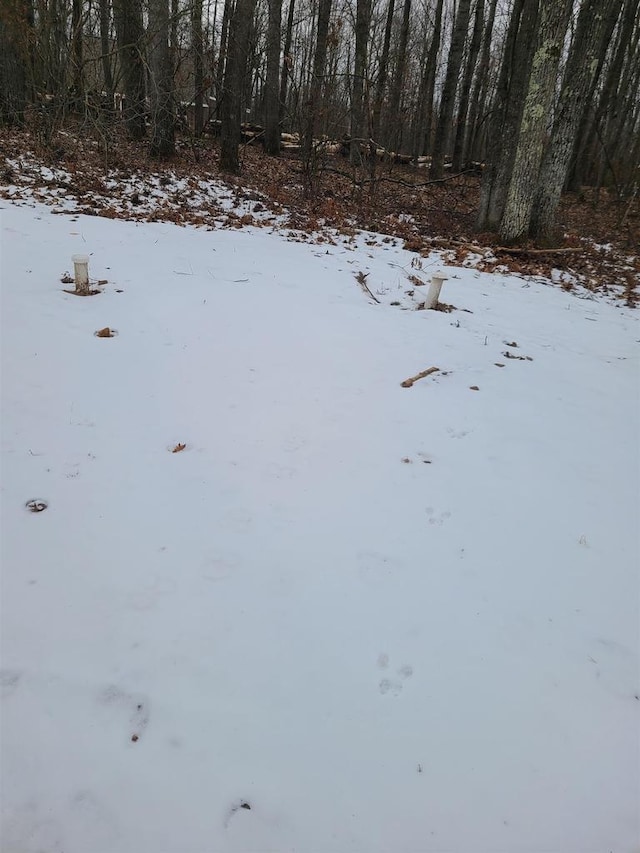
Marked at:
<point>81,272</point>
<point>434,289</point>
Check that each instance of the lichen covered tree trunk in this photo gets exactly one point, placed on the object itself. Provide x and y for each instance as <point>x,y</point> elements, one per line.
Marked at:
<point>516,219</point>
<point>578,76</point>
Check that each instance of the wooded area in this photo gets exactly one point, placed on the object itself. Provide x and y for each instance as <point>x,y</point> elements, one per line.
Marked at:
<point>540,95</point>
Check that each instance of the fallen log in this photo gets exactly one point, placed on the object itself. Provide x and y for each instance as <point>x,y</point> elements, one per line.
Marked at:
<point>515,250</point>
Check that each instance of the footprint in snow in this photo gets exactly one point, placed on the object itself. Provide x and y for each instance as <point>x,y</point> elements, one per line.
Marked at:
<point>393,685</point>
<point>436,519</point>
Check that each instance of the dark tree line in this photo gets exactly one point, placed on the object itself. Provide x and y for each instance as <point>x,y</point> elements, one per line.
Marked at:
<point>542,93</point>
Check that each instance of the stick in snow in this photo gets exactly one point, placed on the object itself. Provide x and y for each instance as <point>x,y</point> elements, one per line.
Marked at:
<point>409,382</point>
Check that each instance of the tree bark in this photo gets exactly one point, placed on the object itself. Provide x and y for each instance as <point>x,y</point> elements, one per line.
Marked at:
<point>578,77</point>
<point>363,19</point>
<point>222,53</point>
<point>77,54</point>
<point>197,47</point>
<point>381,79</point>
<point>422,136</point>
<point>507,113</point>
<point>235,67</point>
<point>518,211</point>
<point>105,48</point>
<point>317,75</point>
<point>395,95</point>
<point>127,16</point>
<point>286,61</point>
<point>592,125</point>
<point>465,89</point>
<point>161,81</point>
<point>13,63</point>
<point>447,101</point>
<point>478,92</point>
<point>272,93</point>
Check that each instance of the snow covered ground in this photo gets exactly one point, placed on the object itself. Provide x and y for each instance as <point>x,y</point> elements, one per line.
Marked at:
<point>349,617</point>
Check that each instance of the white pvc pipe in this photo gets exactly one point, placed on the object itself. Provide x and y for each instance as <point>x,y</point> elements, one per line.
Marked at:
<point>434,289</point>
<point>81,272</point>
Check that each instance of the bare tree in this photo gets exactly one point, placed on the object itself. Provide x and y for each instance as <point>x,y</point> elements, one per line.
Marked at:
<point>105,47</point>
<point>507,112</point>
<point>161,81</point>
<point>234,74</point>
<point>363,18</point>
<point>127,16</point>
<point>319,63</point>
<point>381,78</point>
<point>465,87</point>
<point>13,62</point>
<point>272,86</point>
<point>197,47</point>
<point>447,101</point>
<point>397,85</point>
<point>286,62</point>
<point>422,133</point>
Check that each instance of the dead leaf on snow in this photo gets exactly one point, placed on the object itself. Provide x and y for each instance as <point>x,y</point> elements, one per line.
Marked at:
<point>178,448</point>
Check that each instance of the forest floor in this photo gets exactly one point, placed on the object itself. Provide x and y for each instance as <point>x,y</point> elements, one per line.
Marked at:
<point>598,249</point>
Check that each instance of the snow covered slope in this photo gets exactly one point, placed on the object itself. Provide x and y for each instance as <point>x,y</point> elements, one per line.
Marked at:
<point>348,616</point>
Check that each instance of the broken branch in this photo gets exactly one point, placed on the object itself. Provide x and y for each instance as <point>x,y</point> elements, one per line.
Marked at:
<point>409,382</point>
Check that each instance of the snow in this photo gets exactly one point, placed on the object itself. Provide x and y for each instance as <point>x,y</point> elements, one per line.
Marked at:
<point>384,618</point>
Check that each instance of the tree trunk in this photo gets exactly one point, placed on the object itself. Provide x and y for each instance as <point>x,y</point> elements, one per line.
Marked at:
<point>13,63</point>
<point>234,74</point>
<point>578,77</point>
<point>395,96</point>
<point>479,88</point>
<point>222,54</point>
<point>197,47</point>
<point>465,89</point>
<point>447,101</point>
<point>272,93</point>
<point>286,61</point>
<point>422,136</point>
<point>77,54</point>
<point>507,113</point>
<point>161,81</point>
<point>516,218</point>
<point>591,124</point>
<point>381,80</point>
<point>319,63</point>
<point>127,16</point>
<point>105,48</point>
<point>363,19</point>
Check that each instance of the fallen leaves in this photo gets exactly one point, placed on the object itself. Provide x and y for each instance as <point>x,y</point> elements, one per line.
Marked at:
<point>179,448</point>
<point>105,333</point>
<point>473,388</point>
